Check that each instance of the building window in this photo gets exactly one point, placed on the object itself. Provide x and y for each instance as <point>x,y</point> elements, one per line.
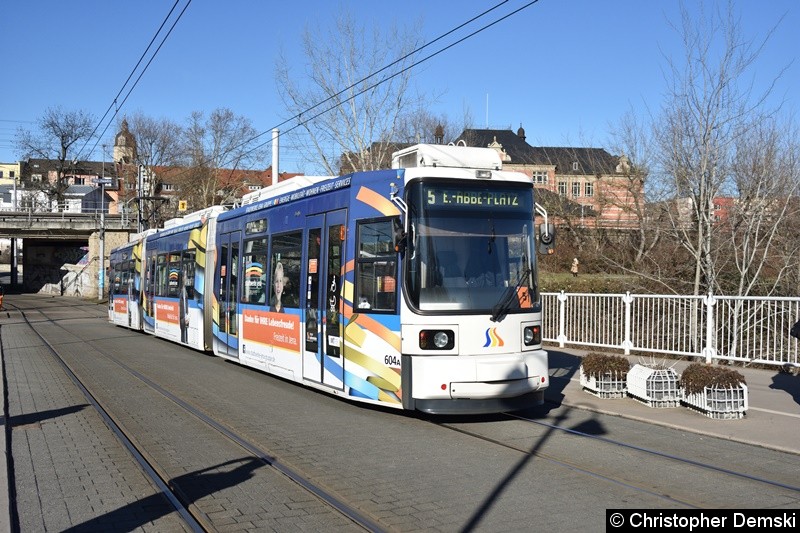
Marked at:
<point>1,175</point>
<point>167,187</point>
<point>36,178</point>
<point>253,187</point>
<point>575,165</point>
<point>11,174</point>
<point>562,188</point>
<point>576,189</point>
<point>588,189</point>
<point>78,181</point>
<point>540,176</point>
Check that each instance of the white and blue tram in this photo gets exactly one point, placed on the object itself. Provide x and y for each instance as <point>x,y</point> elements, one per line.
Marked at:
<point>414,287</point>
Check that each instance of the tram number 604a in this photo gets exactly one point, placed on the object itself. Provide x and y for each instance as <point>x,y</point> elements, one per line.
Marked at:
<point>391,360</point>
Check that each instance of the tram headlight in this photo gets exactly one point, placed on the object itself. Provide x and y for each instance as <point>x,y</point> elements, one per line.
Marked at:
<point>442,339</point>
<point>532,335</point>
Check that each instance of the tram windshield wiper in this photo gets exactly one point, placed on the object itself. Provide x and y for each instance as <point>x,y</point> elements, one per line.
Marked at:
<point>509,297</point>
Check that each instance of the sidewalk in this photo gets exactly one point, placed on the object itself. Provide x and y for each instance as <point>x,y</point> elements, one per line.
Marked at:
<point>771,421</point>
<point>5,503</point>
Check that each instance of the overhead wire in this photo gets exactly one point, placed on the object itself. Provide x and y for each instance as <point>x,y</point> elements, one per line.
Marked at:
<point>114,102</point>
<point>353,85</point>
<point>7,133</point>
<point>395,74</point>
<point>365,78</point>
<point>299,115</point>
<point>373,74</point>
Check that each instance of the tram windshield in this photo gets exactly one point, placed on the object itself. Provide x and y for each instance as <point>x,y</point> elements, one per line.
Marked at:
<point>470,247</point>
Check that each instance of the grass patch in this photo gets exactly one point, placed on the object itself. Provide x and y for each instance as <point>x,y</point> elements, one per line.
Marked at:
<point>588,283</point>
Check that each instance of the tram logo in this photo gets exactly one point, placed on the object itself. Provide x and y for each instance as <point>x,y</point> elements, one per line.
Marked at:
<point>493,339</point>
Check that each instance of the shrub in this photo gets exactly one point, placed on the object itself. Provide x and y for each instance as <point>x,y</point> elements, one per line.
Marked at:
<point>597,365</point>
<point>698,376</point>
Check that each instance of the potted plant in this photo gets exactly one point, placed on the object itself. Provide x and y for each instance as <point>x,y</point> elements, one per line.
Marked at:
<point>654,384</point>
<point>604,375</point>
<point>715,391</point>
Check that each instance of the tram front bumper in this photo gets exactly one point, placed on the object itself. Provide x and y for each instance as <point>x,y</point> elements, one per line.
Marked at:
<point>494,389</point>
<point>479,377</point>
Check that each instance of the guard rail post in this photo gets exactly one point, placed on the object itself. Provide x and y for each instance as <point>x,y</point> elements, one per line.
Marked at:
<point>709,350</point>
<point>562,313</point>
<point>627,343</point>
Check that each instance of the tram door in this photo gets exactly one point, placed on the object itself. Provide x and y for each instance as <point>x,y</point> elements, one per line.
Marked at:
<point>324,330</point>
<point>228,310</point>
<point>150,291</point>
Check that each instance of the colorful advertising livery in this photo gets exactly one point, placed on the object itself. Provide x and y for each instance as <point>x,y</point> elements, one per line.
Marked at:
<point>413,287</point>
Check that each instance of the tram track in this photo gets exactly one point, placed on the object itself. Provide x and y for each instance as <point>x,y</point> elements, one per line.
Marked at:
<point>195,518</point>
<point>652,487</point>
<point>656,453</point>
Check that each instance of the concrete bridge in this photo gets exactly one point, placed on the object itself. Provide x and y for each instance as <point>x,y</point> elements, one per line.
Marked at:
<point>61,251</point>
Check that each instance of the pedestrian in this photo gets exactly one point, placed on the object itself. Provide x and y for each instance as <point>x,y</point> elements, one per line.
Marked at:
<point>794,332</point>
<point>574,267</point>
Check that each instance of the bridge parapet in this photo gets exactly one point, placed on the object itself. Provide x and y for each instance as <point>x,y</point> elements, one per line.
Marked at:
<point>22,224</point>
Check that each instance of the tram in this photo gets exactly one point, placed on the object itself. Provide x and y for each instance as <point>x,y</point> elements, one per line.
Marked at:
<point>414,287</point>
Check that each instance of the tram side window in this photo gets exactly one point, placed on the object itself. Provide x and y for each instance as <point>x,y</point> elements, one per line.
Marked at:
<point>130,268</point>
<point>187,274</point>
<point>125,281</point>
<point>254,260</point>
<point>115,278</point>
<point>173,287</point>
<point>376,268</point>
<point>285,271</point>
<point>162,275</point>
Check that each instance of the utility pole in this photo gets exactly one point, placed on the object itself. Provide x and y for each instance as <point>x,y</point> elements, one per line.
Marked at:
<point>101,274</point>
<point>139,196</point>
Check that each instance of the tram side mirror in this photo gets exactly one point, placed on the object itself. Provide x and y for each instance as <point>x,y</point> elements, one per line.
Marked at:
<point>547,238</point>
<point>399,235</point>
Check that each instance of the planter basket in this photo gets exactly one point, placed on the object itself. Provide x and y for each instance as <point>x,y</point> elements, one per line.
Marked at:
<point>654,387</point>
<point>606,386</point>
<point>726,403</point>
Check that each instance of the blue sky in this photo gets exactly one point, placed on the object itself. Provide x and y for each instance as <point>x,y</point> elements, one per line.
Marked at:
<point>564,70</point>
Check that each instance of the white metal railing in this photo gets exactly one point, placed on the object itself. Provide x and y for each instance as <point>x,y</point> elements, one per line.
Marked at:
<point>748,329</point>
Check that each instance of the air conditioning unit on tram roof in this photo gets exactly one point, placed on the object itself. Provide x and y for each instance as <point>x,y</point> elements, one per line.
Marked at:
<point>133,237</point>
<point>282,187</point>
<point>451,156</point>
<point>197,215</point>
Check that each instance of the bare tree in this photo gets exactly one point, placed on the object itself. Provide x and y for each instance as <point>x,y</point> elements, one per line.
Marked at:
<point>709,107</point>
<point>420,125</point>
<point>640,248</point>
<point>341,108</point>
<point>632,140</point>
<point>158,146</point>
<point>59,136</point>
<point>158,142</point>
<point>757,235</point>
<point>213,148</point>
